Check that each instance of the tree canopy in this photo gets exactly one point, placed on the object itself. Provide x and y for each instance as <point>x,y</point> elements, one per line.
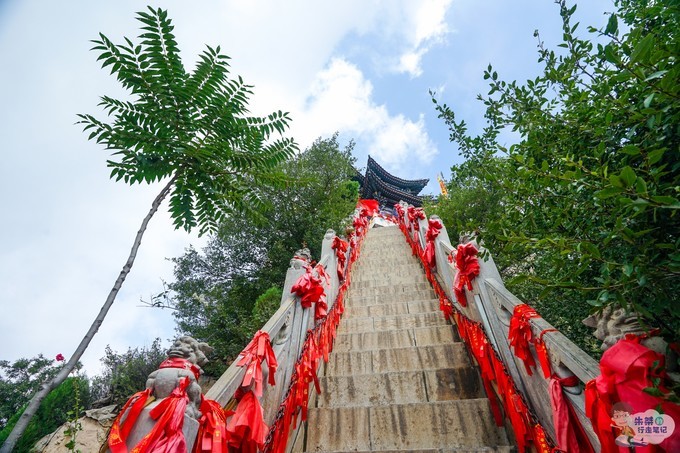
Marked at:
<point>585,205</point>
<point>228,291</point>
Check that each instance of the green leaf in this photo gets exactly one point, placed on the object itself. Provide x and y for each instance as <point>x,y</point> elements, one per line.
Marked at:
<point>655,156</point>
<point>627,176</point>
<point>665,200</point>
<point>616,181</point>
<point>631,150</point>
<point>612,25</point>
<point>648,100</point>
<point>608,192</point>
<point>642,49</point>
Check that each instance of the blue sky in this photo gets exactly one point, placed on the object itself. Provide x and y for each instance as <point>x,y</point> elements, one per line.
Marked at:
<point>362,68</point>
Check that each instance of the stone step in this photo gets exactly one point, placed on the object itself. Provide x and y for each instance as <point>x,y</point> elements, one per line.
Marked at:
<point>407,296</point>
<point>380,262</point>
<point>398,288</point>
<point>397,308</point>
<point>422,336</point>
<point>390,279</point>
<point>463,424</point>
<point>393,322</point>
<point>402,387</point>
<point>399,359</point>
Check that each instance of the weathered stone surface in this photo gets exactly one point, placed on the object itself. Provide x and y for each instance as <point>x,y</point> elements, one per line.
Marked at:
<point>423,358</point>
<point>447,384</point>
<point>373,389</point>
<point>427,336</point>
<point>338,429</point>
<point>452,424</point>
<point>364,341</point>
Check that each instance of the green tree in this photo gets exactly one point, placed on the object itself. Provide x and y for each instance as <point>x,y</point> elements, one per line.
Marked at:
<point>125,373</point>
<point>224,294</point>
<point>18,382</point>
<point>189,130</point>
<point>588,197</point>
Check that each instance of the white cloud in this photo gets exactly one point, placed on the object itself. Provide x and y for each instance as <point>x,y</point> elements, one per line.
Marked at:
<point>425,27</point>
<point>340,99</point>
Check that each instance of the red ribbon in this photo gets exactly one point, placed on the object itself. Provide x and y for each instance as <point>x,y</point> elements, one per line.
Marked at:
<point>542,353</point>
<point>212,432</point>
<point>119,434</point>
<point>570,435</point>
<point>166,436</point>
<point>468,268</point>
<point>520,334</point>
<point>258,350</point>
<point>434,226</point>
<point>184,364</point>
<point>308,287</point>
<point>246,429</point>
<point>340,248</point>
<point>626,369</point>
<point>370,206</point>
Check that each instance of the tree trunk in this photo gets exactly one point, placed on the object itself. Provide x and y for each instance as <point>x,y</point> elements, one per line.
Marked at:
<point>34,404</point>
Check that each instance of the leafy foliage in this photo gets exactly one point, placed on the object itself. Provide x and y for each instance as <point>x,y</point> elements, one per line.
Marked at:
<point>19,381</point>
<point>54,409</point>
<point>223,295</point>
<point>125,373</point>
<point>587,200</point>
<point>193,127</point>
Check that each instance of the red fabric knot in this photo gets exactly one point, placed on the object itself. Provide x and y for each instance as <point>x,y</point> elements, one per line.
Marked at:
<point>246,429</point>
<point>520,334</point>
<point>212,432</point>
<point>258,350</point>
<point>467,266</point>
<point>434,226</point>
<point>340,248</point>
<point>308,287</point>
<point>184,364</point>
<point>542,353</point>
<point>570,435</point>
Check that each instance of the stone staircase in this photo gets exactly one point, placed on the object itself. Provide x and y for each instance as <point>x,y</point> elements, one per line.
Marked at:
<point>399,379</point>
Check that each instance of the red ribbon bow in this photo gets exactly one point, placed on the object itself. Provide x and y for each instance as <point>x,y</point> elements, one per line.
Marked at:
<point>468,268</point>
<point>212,432</point>
<point>434,226</point>
<point>340,248</point>
<point>568,429</point>
<point>520,334</point>
<point>258,350</point>
<point>308,287</point>
<point>246,429</point>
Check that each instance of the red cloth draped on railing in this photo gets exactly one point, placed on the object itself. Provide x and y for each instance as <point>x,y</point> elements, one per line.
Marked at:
<point>434,226</point>
<point>212,431</point>
<point>627,368</point>
<point>246,429</point>
<point>415,215</point>
<point>340,248</point>
<point>570,435</point>
<point>308,287</point>
<point>258,350</point>
<point>369,205</point>
<point>542,353</point>
<point>467,267</point>
<point>520,335</point>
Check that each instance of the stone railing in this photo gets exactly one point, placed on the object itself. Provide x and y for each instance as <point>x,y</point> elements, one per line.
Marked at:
<point>287,329</point>
<point>492,305</point>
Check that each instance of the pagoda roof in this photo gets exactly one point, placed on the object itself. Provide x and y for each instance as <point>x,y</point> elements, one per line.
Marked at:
<point>413,186</point>
<point>386,194</point>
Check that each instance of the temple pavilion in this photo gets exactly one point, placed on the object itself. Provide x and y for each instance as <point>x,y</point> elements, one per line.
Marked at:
<point>381,185</point>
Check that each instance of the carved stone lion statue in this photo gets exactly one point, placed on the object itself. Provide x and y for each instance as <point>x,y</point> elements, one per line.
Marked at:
<point>185,358</point>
